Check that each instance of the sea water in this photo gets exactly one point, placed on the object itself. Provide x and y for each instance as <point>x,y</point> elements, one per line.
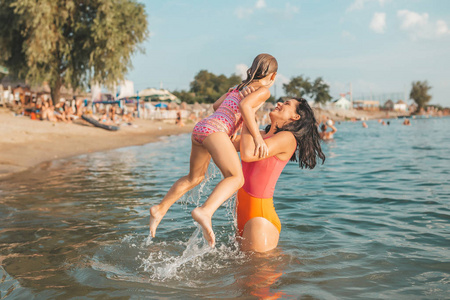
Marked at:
<point>372,222</point>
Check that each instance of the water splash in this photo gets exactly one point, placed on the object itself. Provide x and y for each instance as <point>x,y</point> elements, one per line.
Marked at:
<point>195,195</point>
<point>165,266</point>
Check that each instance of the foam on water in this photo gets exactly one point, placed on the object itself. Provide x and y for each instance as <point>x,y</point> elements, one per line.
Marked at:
<point>175,259</point>
<point>161,265</point>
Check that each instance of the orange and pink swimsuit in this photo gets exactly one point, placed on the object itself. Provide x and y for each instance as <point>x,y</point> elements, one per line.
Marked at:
<point>227,118</point>
<point>255,198</point>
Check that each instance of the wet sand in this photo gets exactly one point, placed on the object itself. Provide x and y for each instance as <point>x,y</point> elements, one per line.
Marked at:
<point>25,143</point>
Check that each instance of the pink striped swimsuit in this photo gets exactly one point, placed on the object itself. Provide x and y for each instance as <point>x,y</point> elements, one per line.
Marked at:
<point>227,118</point>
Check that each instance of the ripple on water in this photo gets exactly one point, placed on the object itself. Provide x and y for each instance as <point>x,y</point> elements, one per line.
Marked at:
<point>371,223</point>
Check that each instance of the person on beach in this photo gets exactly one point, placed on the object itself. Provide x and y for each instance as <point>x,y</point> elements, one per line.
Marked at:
<point>211,139</point>
<point>292,135</point>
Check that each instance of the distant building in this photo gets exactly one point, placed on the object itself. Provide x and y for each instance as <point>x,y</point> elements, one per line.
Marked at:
<point>389,105</point>
<point>366,104</point>
<point>342,103</point>
<point>400,106</point>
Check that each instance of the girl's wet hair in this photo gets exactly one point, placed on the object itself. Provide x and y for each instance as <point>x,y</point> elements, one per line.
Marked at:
<point>307,135</point>
<point>263,65</point>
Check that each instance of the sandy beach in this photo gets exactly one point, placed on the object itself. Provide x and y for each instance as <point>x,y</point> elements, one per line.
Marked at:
<point>26,143</point>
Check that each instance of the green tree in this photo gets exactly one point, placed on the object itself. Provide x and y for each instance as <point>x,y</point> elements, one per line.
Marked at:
<point>320,91</point>
<point>187,97</point>
<point>419,93</point>
<point>208,87</point>
<point>70,42</point>
<point>298,87</point>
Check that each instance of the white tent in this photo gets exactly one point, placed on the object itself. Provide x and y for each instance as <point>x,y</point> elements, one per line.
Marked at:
<point>96,92</point>
<point>126,89</point>
<point>159,95</point>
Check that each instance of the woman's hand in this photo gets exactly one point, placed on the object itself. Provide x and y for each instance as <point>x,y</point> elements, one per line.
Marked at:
<point>246,91</point>
<point>261,149</point>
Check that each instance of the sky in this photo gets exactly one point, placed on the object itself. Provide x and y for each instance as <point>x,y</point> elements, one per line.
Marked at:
<point>378,47</point>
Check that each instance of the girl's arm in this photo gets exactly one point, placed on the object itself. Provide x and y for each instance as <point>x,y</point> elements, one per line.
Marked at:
<point>248,107</point>
<point>281,143</point>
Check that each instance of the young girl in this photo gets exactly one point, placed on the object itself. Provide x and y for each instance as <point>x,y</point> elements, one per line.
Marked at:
<point>211,139</point>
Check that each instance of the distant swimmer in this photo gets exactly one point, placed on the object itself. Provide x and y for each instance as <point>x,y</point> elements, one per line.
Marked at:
<point>383,123</point>
<point>365,125</point>
<point>407,122</point>
<point>324,135</point>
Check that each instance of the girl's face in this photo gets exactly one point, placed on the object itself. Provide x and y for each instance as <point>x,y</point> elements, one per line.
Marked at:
<point>285,111</point>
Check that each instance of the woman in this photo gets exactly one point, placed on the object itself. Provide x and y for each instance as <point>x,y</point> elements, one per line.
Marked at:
<point>327,135</point>
<point>292,135</point>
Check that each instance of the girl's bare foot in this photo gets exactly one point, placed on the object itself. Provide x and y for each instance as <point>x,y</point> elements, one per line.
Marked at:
<point>205,221</point>
<point>155,217</point>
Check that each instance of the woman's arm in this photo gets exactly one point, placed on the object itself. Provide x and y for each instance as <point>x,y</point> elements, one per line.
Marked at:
<point>334,129</point>
<point>237,143</point>
<point>281,143</point>
<point>219,101</point>
<point>248,107</point>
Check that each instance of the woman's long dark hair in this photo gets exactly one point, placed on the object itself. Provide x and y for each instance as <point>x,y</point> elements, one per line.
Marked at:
<point>262,65</point>
<point>307,136</point>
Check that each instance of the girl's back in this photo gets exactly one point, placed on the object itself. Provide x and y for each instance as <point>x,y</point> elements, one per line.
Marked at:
<point>227,118</point>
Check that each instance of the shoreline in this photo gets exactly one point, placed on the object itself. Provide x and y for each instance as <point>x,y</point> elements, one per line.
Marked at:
<point>26,143</point>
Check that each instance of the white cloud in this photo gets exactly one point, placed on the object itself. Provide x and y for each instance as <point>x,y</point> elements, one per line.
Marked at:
<point>260,4</point>
<point>286,12</point>
<point>359,4</point>
<point>441,28</point>
<point>418,25</point>
<point>241,70</point>
<point>278,86</point>
<point>378,23</point>
<point>412,19</point>
<point>242,12</point>
<point>347,35</point>
<point>281,79</point>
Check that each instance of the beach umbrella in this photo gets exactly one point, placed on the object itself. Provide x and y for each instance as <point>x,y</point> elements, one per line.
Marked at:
<point>162,105</point>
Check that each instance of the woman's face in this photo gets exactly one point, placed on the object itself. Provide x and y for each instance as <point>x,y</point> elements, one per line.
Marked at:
<point>285,112</point>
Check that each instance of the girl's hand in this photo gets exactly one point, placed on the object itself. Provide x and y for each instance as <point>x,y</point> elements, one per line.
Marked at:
<point>261,149</point>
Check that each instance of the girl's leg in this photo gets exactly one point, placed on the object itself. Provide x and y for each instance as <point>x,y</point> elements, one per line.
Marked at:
<point>198,166</point>
<point>226,158</point>
<point>259,235</point>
